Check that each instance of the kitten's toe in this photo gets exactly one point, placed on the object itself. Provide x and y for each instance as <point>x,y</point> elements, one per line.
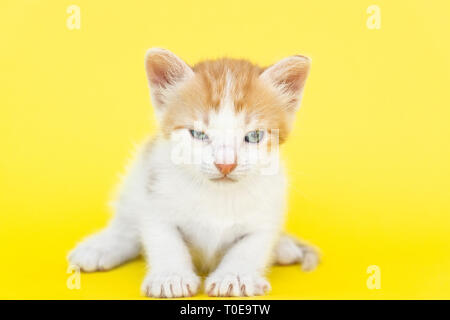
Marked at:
<point>310,260</point>
<point>170,285</point>
<point>291,251</point>
<point>236,285</point>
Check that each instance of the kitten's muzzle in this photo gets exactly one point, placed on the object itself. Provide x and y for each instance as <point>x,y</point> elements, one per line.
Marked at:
<point>225,159</point>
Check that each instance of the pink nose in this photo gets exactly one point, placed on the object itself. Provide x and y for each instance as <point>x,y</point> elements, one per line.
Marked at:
<point>226,168</point>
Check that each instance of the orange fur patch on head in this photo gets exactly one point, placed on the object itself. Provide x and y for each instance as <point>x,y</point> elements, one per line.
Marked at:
<point>236,80</point>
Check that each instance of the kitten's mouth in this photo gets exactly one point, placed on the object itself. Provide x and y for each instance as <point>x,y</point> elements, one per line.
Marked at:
<point>223,179</point>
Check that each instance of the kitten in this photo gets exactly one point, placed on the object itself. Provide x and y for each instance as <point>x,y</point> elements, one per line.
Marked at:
<point>208,193</point>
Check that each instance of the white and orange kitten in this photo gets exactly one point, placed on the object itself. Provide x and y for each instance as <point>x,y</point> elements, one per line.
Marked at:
<point>207,194</point>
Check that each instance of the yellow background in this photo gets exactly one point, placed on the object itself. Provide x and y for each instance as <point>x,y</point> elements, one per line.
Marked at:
<point>369,159</point>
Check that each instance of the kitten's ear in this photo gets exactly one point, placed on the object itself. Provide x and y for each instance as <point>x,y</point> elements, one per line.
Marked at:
<point>164,71</point>
<point>288,76</point>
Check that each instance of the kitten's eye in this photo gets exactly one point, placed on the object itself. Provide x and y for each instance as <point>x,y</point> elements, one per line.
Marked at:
<point>200,135</point>
<point>254,136</point>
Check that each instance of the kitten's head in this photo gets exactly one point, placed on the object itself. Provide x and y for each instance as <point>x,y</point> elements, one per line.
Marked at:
<point>225,117</point>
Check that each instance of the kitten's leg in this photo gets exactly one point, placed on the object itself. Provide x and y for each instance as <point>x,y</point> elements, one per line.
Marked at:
<point>241,270</point>
<point>171,273</point>
<point>114,245</point>
<point>289,250</point>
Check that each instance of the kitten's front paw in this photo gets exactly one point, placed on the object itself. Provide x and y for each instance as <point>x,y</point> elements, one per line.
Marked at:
<point>236,285</point>
<point>170,285</point>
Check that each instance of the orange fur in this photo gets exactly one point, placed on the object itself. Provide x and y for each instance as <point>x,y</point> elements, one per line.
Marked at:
<point>251,96</point>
